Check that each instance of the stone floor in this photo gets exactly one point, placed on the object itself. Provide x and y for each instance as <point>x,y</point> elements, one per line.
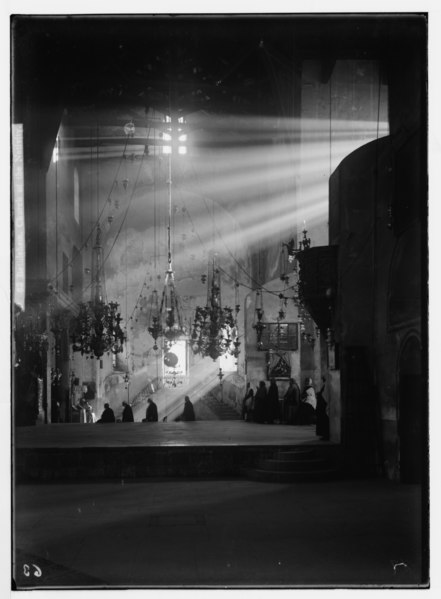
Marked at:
<point>157,434</point>
<point>210,533</point>
<point>217,533</point>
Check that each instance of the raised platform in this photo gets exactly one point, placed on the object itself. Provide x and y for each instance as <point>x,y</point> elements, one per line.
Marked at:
<point>138,450</point>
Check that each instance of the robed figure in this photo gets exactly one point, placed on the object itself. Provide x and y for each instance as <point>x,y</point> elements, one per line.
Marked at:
<point>273,402</point>
<point>260,403</point>
<point>188,414</point>
<point>127,415</point>
<point>151,414</point>
<point>321,413</point>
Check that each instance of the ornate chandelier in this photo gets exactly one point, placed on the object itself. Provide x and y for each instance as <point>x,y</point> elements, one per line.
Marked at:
<point>214,331</point>
<point>96,329</point>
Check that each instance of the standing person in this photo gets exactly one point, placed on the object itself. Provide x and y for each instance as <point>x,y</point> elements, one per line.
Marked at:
<point>260,403</point>
<point>188,414</point>
<point>127,415</point>
<point>151,414</point>
<point>291,401</point>
<point>250,406</point>
<point>322,418</point>
<point>273,402</point>
<point>308,403</point>
<point>248,393</point>
<point>107,415</point>
<point>88,412</point>
<point>80,408</point>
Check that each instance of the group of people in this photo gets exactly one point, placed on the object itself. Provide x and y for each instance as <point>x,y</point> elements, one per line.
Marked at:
<point>296,407</point>
<point>151,414</point>
<point>108,414</point>
<point>263,406</point>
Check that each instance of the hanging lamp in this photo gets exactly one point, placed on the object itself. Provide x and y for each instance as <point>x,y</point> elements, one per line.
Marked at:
<point>167,321</point>
<point>258,325</point>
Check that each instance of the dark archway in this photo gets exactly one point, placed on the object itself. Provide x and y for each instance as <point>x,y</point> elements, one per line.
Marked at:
<point>412,412</point>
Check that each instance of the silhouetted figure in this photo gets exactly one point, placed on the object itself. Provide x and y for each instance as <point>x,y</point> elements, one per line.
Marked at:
<point>107,415</point>
<point>291,401</point>
<point>127,415</point>
<point>260,403</point>
<point>250,406</point>
<point>321,413</point>
<point>188,414</point>
<point>246,402</point>
<point>151,414</point>
<point>273,402</point>
<point>308,403</point>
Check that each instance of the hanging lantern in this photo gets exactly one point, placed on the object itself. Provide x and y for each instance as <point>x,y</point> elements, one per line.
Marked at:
<point>126,380</point>
<point>236,299</point>
<point>258,315</point>
<point>170,310</point>
<point>155,328</point>
<point>167,321</point>
<point>282,312</point>
<point>96,329</point>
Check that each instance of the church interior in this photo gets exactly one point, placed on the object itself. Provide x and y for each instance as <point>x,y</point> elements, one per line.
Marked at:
<point>204,205</point>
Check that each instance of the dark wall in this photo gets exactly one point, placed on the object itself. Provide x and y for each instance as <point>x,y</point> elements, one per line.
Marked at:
<point>380,228</point>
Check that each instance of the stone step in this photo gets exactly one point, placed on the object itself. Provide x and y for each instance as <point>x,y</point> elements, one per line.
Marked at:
<point>296,454</point>
<point>276,476</point>
<point>222,411</point>
<point>294,465</point>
